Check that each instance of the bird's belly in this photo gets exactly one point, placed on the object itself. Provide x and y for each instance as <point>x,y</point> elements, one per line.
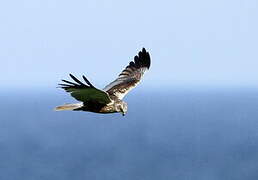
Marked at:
<point>107,109</point>
<point>98,108</point>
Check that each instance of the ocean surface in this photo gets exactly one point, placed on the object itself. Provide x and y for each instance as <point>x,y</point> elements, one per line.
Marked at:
<point>181,134</point>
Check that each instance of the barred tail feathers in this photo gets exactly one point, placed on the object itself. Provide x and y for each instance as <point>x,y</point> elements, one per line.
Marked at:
<point>68,107</point>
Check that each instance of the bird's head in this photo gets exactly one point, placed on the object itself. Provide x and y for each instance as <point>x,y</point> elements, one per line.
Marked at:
<point>123,108</point>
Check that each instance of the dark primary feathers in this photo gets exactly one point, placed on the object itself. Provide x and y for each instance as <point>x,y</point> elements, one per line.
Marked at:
<point>130,76</point>
<point>85,92</point>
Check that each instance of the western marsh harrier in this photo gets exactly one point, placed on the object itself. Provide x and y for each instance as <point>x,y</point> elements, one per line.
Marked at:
<point>108,100</point>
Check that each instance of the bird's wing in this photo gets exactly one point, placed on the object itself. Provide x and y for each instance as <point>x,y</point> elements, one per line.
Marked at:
<point>85,92</point>
<point>130,76</point>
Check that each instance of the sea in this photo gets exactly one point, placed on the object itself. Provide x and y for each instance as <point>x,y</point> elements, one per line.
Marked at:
<point>173,133</point>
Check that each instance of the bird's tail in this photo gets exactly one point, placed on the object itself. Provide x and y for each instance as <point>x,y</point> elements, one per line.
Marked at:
<point>69,107</point>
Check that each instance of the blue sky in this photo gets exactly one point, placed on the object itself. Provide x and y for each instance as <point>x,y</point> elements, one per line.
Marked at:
<point>212,43</point>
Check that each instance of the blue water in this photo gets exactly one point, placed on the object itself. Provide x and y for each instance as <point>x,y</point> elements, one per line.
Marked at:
<point>178,134</point>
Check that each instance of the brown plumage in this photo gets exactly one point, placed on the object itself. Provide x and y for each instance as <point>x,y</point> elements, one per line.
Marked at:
<point>108,100</point>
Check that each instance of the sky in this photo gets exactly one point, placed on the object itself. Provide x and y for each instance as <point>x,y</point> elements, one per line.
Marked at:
<point>192,43</point>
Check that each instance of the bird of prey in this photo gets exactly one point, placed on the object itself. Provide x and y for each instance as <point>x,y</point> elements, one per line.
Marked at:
<point>108,100</point>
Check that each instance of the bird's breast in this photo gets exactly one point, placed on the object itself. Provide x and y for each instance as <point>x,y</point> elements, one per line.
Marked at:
<point>109,108</point>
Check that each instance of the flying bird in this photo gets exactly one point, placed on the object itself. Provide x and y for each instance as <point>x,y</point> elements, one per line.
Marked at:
<point>110,99</point>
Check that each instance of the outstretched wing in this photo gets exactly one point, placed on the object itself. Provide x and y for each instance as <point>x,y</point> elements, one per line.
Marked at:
<point>85,92</point>
<point>130,76</point>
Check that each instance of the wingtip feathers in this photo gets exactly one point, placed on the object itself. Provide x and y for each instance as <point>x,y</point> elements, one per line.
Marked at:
<point>142,59</point>
<point>78,84</point>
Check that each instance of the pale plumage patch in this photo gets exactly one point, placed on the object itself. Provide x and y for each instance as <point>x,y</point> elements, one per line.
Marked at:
<point>130,76</point>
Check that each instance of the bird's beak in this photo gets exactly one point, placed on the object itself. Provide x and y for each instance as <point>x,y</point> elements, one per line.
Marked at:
<point>123,113</point>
